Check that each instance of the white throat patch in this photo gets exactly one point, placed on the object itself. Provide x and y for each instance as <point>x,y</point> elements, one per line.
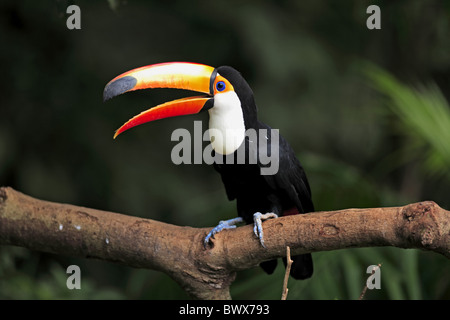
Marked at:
<point>226,123</point>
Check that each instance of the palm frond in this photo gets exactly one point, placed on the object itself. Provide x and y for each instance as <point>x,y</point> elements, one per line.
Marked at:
<point>424,116</point>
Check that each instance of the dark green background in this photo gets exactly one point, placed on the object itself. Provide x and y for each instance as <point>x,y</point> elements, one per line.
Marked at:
<point>307,64</point>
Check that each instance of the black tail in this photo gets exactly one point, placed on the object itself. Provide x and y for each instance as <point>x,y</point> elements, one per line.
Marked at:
<point>269,266</point>
<point>302,267</point>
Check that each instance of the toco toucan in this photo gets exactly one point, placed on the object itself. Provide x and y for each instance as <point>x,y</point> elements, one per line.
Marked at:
<point>232,112</point>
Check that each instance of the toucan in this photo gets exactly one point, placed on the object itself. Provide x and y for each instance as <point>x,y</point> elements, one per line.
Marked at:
<point>229,100</point>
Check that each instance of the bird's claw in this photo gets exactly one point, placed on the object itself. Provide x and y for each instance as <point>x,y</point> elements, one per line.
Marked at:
<point>258,217</point>
<point>227,224</point>
<point>257,225</point>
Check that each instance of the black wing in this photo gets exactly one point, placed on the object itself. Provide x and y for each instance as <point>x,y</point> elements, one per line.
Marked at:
<point>290,181</point>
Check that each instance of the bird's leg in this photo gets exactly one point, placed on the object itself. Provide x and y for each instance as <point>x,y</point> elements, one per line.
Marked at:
<point>227,224</point>
<point>257,224</point>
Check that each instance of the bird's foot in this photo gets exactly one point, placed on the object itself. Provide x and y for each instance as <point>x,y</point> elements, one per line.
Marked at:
<point>227,224</point>
<point>257,224</point>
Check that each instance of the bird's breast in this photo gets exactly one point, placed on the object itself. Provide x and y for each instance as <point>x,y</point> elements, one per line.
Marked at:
<point>226,123</point>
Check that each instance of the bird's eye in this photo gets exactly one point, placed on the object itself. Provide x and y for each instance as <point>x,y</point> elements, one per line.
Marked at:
<point>220,86</point>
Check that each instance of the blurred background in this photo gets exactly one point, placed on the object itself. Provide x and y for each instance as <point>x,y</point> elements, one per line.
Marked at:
<point>366,111</point>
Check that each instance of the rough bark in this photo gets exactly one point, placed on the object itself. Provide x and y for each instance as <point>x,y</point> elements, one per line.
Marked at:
<point>207,273</point>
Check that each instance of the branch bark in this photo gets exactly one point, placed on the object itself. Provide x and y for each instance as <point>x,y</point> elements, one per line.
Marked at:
<point>208,273</point>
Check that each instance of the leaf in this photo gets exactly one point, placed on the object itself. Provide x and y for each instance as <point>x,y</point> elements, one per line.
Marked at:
<point>424,116</point>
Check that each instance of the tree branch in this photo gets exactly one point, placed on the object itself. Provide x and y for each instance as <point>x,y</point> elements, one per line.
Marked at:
<point>208,273</point>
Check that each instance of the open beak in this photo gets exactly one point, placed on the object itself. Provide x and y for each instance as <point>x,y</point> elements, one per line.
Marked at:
<point>177,75</point>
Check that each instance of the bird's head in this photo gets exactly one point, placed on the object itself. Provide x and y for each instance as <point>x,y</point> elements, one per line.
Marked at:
<point>226,95</point>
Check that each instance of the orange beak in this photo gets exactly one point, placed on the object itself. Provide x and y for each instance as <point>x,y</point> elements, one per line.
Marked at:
<point>177,75</point>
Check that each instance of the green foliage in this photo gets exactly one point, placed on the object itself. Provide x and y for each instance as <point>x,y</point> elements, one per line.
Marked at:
<point>424,116</point>
<point>341,275</point>
<point>27,282</point>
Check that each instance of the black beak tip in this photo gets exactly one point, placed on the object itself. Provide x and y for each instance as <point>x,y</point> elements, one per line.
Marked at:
<point>118,87</point>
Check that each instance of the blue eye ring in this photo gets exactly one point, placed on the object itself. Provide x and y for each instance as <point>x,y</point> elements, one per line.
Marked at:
<point>220,86</point>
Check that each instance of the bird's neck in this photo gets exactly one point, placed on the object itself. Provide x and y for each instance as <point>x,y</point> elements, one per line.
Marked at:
<point>226,123</point>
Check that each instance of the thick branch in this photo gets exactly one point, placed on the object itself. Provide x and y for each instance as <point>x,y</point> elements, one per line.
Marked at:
<point>208,273</point>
